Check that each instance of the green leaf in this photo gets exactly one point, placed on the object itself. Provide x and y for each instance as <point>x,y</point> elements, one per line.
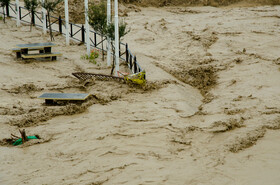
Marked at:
<point>98,17</point>
<point>31,5</point>
<point>50,5</point>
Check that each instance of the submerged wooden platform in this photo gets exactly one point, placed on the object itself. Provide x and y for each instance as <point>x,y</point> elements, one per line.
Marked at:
<point>52,97</point>
<point>41,55</point>
<point>35,45</point>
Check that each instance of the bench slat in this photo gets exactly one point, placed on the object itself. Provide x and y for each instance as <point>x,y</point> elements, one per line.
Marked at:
<point>41,55</point>
<point>35,45</point>
<point>32,49</point>
<point>64,96</point>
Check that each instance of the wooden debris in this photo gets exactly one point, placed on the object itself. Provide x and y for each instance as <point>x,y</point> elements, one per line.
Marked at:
<point>23,135</point>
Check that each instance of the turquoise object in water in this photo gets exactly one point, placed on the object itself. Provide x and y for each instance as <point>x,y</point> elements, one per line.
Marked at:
<point>19,141</point>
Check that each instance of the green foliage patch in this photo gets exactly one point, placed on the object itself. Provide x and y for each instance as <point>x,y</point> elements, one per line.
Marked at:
<point>94,54</point>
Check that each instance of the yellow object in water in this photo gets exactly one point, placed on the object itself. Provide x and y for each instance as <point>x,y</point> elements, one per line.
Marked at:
<point>137,78</point>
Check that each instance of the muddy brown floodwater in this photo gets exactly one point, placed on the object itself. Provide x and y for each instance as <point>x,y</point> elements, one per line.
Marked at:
<point>209,114</point>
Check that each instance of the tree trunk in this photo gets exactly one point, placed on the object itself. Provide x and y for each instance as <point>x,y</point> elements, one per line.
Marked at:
<point>31,21</point>
<point>113,64</point>
<point>23,135</point>
<point>102,48</point>
<point>50,26</point>
<point>3,13</point>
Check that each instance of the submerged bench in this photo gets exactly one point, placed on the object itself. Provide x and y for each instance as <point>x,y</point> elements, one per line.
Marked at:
<point>51,98</point>
<point>41,55</point>
<point>18,51</point>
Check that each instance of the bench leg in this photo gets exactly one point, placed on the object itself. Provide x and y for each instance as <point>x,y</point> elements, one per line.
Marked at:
<point>49,102</point>
<point>48,50</point>
<point>24,51</point>
<point>53,58</point>
<point>18,54</point>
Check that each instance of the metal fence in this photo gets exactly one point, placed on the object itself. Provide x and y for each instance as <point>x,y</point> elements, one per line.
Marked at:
<point>77,33</point>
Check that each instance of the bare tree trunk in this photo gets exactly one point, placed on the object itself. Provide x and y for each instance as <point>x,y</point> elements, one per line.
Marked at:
<point>3,13</point>
<point>113,64</point>
<point>50,27</point>
<point>23,135</point>
<point>31,22</point>
<point>102,48</point>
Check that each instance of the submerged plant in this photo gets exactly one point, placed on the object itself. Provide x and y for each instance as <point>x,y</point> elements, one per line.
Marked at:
<point>93,55</point>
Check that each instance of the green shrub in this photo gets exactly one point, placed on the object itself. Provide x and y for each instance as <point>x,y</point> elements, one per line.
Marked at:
<point>31,6</point>
<point>93,55</point>
<point>97,15</point>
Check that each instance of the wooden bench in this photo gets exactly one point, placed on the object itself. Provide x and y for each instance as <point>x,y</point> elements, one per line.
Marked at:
<point>41,55</point>
<point>52,98</point>
<point>18,51</point>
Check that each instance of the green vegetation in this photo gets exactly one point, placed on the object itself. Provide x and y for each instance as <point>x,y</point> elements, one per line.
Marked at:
<point>31,6</point>
<point>110,32</point>
<point>98,19</point>
<point>93,55</point>
<point>50,6</point>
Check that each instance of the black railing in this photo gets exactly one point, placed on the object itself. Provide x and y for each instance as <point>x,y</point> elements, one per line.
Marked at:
<point>96,40</point>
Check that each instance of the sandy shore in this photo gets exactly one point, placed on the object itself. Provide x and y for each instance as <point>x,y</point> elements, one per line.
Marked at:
<point>209,115</point>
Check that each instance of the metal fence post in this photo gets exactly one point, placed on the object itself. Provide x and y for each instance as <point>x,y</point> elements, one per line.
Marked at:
<point>135,65</point>
<point>7,10</point>
<point>120,49</point>
<point>60,24</point>
<point>19,13</point>
<point>95,42</point>
<point>32,17</point>
<point>71,30</point>
<point>126,53</point>
<point>130,62</point>
<point>83,33</point>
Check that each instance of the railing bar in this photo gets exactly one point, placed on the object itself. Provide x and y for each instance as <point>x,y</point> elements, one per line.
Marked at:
<point>76,25</point>
<point>100,42</point>
<point>76,39</point>
<point>38,18</point>
<point>76,33</point>
<point>54,22</point>
<point>12,9</point>
<point>25,15</point>
<point>91,41</point>
<point>92,31</point>
<point>12,16</point>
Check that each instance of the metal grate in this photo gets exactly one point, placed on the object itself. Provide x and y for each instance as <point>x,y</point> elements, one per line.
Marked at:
<point>85,76</point>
